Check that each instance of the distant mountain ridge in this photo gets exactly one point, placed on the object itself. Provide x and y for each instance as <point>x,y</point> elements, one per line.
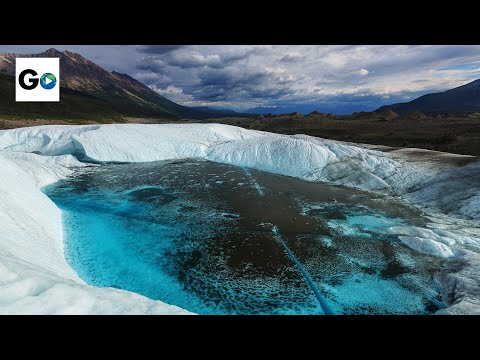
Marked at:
<point>220,111</point>
<point>465,98</point>
<point>120,94</point>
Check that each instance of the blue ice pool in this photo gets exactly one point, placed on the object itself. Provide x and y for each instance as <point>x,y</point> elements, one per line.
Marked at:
<point>219,239</point>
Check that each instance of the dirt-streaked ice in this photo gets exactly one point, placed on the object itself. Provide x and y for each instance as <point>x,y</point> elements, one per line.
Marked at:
<point>35,278</point>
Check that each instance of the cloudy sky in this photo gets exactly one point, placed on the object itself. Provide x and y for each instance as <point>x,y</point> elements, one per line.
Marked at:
<point>338,79</point>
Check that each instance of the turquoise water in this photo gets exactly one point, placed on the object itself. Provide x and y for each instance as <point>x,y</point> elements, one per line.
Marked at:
<point>213,239</point>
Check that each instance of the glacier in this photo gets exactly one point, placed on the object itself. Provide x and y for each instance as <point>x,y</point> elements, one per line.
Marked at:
<point>35,278</point>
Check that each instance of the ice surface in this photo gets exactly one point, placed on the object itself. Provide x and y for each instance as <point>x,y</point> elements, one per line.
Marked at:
<point>298,155</point>
<point>460,283</point>
<point>364,225</point>
<point>438,242</point>
<point>364,292</point>
<point>455,191</point>
<point>34,276</point>
<point>33,157</point>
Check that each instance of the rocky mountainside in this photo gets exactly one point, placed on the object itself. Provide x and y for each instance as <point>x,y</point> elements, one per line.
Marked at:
<point>119,93</point>
<point>462,99</point>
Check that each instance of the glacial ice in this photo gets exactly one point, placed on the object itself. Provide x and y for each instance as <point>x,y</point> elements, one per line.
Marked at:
<point>35,278</point>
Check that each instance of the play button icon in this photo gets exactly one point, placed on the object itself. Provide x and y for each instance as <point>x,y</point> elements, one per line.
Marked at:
<point>48,81</point>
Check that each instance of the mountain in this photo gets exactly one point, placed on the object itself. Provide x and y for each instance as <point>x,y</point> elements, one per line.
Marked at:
<point>338,108</point>
<point>225,112</point>
<point>465,98</point>
<point>89,91</point>
<point>388,114</point>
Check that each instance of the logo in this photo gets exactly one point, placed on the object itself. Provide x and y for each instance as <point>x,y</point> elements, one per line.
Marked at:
<point>48,81</point>
<point>37,79</point>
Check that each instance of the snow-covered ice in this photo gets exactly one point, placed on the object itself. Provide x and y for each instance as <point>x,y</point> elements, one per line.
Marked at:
<point>35,278</point>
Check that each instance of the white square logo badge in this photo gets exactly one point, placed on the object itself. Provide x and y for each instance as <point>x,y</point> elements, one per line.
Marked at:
<point>37,79</point>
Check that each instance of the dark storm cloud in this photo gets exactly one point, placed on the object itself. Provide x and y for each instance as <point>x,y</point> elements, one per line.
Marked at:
<point>236,55</point>
<point>191,59</point>
<point>246,93</point>
<point>234,83</point>
<point>290,58</point>
<point>159,49</point>
<point>229,78</point>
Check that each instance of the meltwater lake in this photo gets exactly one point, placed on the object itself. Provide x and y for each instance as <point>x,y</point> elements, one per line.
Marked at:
<point>219,239</point>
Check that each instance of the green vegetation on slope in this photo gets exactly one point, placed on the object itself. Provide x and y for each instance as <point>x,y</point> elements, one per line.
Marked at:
<point>73,105</point>
<point>104,104</point>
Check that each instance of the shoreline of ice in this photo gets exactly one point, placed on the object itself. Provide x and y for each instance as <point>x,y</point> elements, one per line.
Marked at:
<point>34,273</point>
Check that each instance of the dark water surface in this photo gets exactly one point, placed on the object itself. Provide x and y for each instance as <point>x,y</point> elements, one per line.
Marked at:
<point>213,239</point>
